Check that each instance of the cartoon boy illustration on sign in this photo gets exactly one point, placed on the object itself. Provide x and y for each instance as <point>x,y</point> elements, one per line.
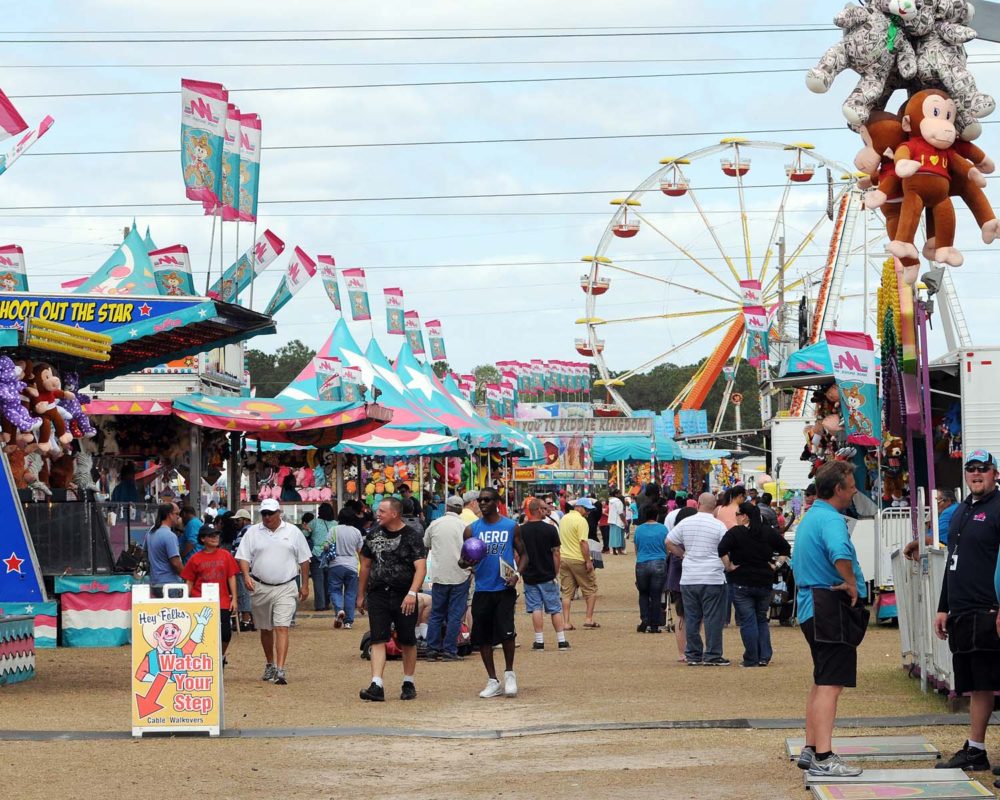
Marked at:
<point>165,639</point>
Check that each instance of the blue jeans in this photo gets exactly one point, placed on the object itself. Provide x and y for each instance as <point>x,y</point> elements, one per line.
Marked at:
<point>242,596</point>
<point>342,589</point>
<point>649,579</point>
<point>321,599</point>
<point>448,602</point>
<point>752,604</point>
<point>703,603</point>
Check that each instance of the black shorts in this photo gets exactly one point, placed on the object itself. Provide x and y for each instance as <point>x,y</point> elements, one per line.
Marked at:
<point>976,672</point>
<point>493,617</point>
<point>226,620</point>
<point>833,664</point>
<point>385,610</point>
<point>678,600</point>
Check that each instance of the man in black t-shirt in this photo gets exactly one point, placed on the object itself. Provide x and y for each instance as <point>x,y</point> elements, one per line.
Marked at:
<point>968,599</point>
<point>393,565</point>
<point>539,566</point>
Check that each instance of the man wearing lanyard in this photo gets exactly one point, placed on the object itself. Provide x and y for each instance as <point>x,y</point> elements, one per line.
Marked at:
<point>270,555</point>
<point>968,596</point>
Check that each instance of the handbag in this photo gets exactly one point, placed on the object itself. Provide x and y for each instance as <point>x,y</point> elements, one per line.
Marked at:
<point>973,632</point>
<point>836,621</point>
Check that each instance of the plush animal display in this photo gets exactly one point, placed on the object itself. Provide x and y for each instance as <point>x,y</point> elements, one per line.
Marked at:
<point>73,401</point>
<point>904,44</point>
<point>872,47</point>
<point>925,163</point>
<point>48,390</point>
<point>14,416</point>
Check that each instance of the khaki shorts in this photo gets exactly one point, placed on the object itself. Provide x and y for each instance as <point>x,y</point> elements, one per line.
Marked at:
<point>573,575</point>
<point>273,606</point>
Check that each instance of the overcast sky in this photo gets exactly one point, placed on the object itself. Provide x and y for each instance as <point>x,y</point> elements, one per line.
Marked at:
<point>501,273</point>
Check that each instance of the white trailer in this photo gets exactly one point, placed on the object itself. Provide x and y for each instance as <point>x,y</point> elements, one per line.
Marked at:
<point>787,435</point>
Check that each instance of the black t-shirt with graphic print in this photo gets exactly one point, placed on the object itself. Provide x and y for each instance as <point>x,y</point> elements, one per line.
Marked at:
<point>392,555</point>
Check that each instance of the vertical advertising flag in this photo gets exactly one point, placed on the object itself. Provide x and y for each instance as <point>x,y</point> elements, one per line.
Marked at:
<point>755,321</point>
<point>229,210</point>
<point>204,113</point>
<point>750,293</point>
<point>25,141</point>
<point>468,390</point>
<point>394,311</point>
<point>507,399</point>
<point>436,340</point>
<point>470,383</point>
<point>350,385</point>
<point>297,274</point>
<point>172,270</point>
<point>414,335</point>
<point>253,262</point>
<point>249,178</point>
<point>328,378</point>
<point>328,272</point>
<point>853,359</point>
<point>357,294</point>
<point>11,122</point>
<point>494,402</point>
<point>537,376</point>
<point>13,275</point>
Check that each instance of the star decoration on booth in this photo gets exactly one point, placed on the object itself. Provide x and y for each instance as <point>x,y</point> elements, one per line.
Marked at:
<point>13,563</point>
<point>134,332</point>
<point>419,381</point>
<point>145,309</point>
<point>202,312</point>
<point>29,609</point>
<point>369,370</point>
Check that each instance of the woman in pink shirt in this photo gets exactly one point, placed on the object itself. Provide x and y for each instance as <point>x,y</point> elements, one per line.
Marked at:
<point>727,510</point>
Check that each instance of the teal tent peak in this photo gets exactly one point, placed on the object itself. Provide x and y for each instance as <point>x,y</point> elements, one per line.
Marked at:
<point>129,271</point>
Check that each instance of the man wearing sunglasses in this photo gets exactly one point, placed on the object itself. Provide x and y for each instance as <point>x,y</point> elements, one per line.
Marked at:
<point>271,554</point>
<point>967,608</point>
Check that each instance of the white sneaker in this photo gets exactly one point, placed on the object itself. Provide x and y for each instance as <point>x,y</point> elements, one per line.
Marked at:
<point>510,684</point>
<point>493,689</point>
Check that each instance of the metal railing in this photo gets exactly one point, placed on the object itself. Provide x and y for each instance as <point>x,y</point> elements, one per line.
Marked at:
<point>894,532</point>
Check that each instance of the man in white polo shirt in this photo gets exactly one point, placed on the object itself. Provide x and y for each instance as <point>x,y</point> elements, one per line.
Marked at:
<point>270,555</point>
<point>703,582</point>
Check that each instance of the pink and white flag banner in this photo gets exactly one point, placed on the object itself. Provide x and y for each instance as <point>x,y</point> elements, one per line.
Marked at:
<point>507,399</point>
<point>357,294</point>
<point>328,272</point>
<point>350,384</point>
<point>13,275</point>
<point>204,115</point>
<point>436,340</point>
<point>254,261</point>
<point>494,401</point>
<point>27,139</point>
<point>394,322</point>
<point>751,293</point>
<point>11,122</point>
<point>757,328</point>
<point>328,377</point>
<point>853,358</point>
<point>229,208</point>
<point>172,270</point>
<point>414,335</point>
<point>468,390</point>
<point>249,178</point>
<point>297,274</point>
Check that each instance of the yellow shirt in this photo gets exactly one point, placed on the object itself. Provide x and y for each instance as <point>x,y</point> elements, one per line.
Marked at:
<point>468,516</point>
<point>573,529</point>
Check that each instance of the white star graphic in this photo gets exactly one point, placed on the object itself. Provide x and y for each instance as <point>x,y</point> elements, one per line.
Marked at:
<point>134,332</point>
<point>370,370</point>
<point>420,382</point>
<point>29,609</point>
<point>202,312</point>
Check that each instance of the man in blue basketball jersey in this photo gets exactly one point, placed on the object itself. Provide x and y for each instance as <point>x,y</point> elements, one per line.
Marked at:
<point>495,595</point>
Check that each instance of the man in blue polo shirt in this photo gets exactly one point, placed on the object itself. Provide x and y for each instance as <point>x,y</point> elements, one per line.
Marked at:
<point>824,558</point>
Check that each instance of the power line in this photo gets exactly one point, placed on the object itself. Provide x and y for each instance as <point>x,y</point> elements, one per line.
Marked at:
<point>428,38</point>
<point>720,26</point>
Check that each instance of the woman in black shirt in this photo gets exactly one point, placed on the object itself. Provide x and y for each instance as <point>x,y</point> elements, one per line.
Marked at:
<point>749,551</point>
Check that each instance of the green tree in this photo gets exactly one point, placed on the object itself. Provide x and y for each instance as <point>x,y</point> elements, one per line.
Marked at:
<point>440,368</point>
<point>486,373</point>
<point>272,372</point>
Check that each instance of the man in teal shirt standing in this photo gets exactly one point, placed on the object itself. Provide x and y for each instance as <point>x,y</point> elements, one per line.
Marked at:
<point>824,558</point>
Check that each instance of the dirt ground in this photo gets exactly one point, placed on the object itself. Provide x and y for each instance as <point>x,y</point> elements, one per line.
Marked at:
<point>610,675</point>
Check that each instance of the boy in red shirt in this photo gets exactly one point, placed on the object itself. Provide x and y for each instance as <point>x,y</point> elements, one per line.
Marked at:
<point>214,565</point>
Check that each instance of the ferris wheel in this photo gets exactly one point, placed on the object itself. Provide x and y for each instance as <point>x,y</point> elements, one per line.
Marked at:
<point>706,237</point>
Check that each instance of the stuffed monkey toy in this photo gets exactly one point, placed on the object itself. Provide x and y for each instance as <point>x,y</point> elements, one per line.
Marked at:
<point>48,390</point>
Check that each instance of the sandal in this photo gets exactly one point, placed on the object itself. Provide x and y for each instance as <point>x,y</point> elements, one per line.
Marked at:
<point>569,627</point>
<point>591,625</point>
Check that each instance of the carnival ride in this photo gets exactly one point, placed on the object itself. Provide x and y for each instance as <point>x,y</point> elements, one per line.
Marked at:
<point>724,258</point>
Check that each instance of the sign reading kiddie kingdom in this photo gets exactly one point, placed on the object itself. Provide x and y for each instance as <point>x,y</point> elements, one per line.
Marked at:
<point>176,661</point>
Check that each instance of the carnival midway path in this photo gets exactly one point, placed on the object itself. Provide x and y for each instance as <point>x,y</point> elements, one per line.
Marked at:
<point>615,715</point>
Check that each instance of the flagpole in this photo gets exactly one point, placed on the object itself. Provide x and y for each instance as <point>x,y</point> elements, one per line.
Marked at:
<point>211,247</point>
<point>237,221</point>
<point>253,263</point>
<point>222,267</point>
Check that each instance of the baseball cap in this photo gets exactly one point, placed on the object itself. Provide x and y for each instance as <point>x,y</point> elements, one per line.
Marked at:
<point>242,514</point>
<point>207,530</point>
<point>270,505</point>
<point>680,495</point>
<point>586,502</point>
<point>982,456</point>
<point>470,496</point>
<point>455,502</point>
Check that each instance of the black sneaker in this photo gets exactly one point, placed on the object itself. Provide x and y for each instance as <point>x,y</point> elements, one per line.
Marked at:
<point>446,656</point>
<point>374,693</point>
<point>717,662</point>
<point>409,691</point>
<point>538,646</point>
<point>968,758</point>
<point>433,655</point>
<point>640,628</point>
<point>749,664</point>
<point>564,645</point>
<point>654,629</point>
<point>692,663</point>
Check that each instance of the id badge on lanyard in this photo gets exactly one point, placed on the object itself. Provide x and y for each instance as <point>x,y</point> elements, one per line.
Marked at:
<point>953,561</point>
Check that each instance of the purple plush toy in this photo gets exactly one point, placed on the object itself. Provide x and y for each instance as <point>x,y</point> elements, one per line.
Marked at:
<point>12,410</point>
<point>71,383</point>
